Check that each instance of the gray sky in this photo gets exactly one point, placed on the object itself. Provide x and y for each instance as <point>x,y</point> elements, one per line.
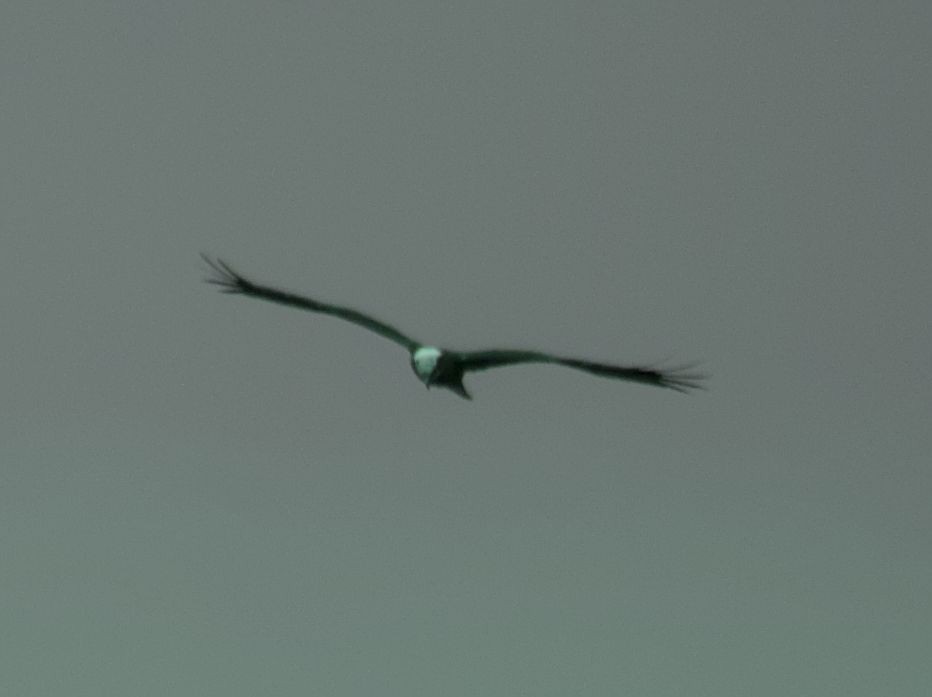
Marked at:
<point>208,495</point>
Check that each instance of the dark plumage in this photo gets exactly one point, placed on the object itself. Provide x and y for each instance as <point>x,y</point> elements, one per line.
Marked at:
<point>443,367</point>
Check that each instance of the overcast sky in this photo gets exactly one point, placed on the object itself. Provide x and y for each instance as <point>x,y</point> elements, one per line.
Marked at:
<point>209,495</point>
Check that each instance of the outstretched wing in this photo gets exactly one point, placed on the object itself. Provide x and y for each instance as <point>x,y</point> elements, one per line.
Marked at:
<point>680,379</point>
<point>232,282</point>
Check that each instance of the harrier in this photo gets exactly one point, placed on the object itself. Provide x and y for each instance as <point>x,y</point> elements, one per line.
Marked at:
<point>444,367</point>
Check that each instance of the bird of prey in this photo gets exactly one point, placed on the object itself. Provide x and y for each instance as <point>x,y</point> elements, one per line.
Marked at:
<point>444,367</point>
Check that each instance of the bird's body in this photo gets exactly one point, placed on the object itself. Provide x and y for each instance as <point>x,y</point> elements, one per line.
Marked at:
<point>443,367</point>
<point>435,366</point>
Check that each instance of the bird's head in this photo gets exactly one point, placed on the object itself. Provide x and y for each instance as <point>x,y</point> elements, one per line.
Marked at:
<point>424,362</point>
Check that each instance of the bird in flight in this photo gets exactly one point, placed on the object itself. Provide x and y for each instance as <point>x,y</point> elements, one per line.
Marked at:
<point>444,367</point>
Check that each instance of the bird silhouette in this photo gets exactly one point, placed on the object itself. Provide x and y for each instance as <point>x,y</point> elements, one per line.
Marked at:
<point>445,367</point>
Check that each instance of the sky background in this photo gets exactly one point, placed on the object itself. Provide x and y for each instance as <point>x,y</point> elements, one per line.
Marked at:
<point>208,495</point>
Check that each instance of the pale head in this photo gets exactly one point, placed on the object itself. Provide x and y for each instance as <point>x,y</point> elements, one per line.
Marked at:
<point>424,360</point>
